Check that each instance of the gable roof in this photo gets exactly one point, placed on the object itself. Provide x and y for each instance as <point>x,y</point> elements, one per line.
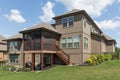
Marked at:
<point>14,37</point>
<point>77,11</point>
<point>1,39</point>
<point>41,26</point>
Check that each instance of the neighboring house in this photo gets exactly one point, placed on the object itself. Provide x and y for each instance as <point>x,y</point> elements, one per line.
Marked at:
<point>3,50</point>
<point>14,49</point>
<point>71,40</point>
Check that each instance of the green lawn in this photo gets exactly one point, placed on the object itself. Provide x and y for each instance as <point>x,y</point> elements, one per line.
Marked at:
<point>106,71</point>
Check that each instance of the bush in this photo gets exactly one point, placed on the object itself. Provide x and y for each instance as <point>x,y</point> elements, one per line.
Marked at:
<point>100,58</point>
<point>108,57</point>
<point>13,68</point>
<point>92,60</point>
<point>8,68</point>
<point>89,61</point>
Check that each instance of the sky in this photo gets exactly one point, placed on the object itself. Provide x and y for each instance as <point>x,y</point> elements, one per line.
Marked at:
<point>17,15</point>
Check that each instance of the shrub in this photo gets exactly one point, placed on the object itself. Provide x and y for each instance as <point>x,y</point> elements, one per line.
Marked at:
<point>8,68</point>
<point>89,61</point>
<point>100,58</point>
<point>97,59</point>
<point>108,57</point>
<point>13,68</point>
<point>92,60</point>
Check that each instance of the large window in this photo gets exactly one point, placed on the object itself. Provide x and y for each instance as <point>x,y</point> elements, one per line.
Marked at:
<point>85,42</point>
<point>76,40</point>
<point>69,41</point>
<point>68,21</point>
<point>13,58</point>
<point>13,45</point>
<point>63,42</point>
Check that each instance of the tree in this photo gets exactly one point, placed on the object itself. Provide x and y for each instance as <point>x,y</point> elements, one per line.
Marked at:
<point>117,52</point>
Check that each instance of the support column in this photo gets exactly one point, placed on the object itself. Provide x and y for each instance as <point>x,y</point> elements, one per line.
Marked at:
<point>23,60</point>
<point>42,48</point>
<point>33,61</point>
<point>51,59</point>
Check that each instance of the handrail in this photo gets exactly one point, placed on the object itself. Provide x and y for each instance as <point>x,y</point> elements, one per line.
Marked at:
<point>62,54</point>
<point>62,50</point>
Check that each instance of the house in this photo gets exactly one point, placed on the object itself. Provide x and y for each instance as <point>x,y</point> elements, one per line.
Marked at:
<point>14,49</point>
<point>81,36</point>
<point>71,40</point>
<point>3,50</point>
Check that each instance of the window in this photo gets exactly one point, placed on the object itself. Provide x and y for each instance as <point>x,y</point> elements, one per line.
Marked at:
<point>84,22</point>
<point>27,36</point>
<point>71,20</point>
<point>14,58</point>
<point>64,22</point>
<point>76,41</point>
<point>36,35</point>
<point>69,41</point>
<point>13,45</point>
<point>68,21</point>
<point>85,42</point>
<point>63,42</point>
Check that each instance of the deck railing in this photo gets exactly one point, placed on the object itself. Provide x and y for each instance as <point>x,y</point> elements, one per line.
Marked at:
<point>63,55</point>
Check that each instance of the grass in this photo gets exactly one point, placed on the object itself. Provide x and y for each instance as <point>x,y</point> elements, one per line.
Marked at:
<point>107,71</point>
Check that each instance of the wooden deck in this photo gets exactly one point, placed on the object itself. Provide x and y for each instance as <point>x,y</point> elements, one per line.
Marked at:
<point>40,51</point>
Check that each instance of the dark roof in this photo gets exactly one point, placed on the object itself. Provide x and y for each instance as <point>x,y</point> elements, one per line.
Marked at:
<point>1,39</point>
<point>14,37</point>
<point>41,26</point>
<point>67,13</point>
<point>77,11</point>
<point>108,38</point>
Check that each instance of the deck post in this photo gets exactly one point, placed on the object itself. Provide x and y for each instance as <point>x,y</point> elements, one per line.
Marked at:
<point>51,60</point>
<point>23,60</point>
<point>33,61</point>
<point>42,48</point>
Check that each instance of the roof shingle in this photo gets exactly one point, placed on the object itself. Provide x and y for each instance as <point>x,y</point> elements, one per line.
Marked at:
<point>17,36</point>
<point>1,39</point>
<point>41,26</point>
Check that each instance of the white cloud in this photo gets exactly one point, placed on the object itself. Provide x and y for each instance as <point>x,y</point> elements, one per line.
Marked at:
<point>118,1</point>
<point>48,12</point>
<point>109,24</point>
<point>118,33</point>
<point>6,35</point>
<point>93,7</point>
<point>15,16</point>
